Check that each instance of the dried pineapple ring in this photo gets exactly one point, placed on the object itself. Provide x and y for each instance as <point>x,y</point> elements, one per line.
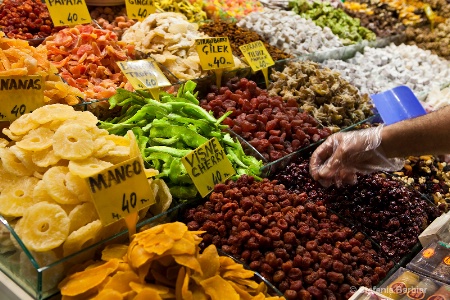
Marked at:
<point>83,118</point>
<point>48,113</point>
<point>81,215</point>
<point>45,158</point>
<point>12,164</point>
<point>37,139</point>
<point>78,186</point>
<point>16,198</point>
<point>72,141</point>
<point>88,167</point>
<point>7,178</point>
<point>23,124</point>
<point>120,151</point>
<point>26,157</point>
<point>40,193</point>
<point>10,135</point>
<point>44,226</point>
<point>82,238</point>
<point>118,140</point>
<point>55,183</point>
<point>102,146</point>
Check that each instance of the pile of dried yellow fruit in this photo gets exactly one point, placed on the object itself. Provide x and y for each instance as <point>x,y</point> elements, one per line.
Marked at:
<point>18,58</point>
<point>164,262</point>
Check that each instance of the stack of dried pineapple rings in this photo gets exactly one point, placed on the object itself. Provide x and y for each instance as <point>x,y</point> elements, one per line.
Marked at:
<point>43,169</point>
<point>163,262</point>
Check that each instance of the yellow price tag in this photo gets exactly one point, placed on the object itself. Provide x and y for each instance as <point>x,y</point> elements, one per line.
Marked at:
<point>120,190</point>
<point>257,56</point>
<point>68,12</point>
<point>214,53</point>
<point>20,95</point>
<point>143,74</point>
<point>207,166</point>
<point>139,9</point>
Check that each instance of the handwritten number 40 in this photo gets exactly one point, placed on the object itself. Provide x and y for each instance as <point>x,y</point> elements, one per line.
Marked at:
<point>18,110</point>
<point>72,17</point>
<point>142,13</point>
<point>126,203</point>
<point>217,178</point>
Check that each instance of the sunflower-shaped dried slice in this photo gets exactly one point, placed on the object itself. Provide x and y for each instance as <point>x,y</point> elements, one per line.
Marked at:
<point>82,238</point>
<point>23,124</point>
<point>17,198</point>
<point>55,182</point>
<point>37,139</point>
<point>81,215</point>
<point>49,113</point>
<point>88,167</point>
<point>12,163</point>
<point>73,142</point>
<point>44,226</point>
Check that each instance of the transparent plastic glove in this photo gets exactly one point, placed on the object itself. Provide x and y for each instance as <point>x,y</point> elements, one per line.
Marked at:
<point>344,154</point>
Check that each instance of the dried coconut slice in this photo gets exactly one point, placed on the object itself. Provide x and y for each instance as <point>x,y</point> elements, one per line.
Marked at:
<point>17,198</point>
<point>37,139</point>
<point>44,226</point>
<point>55,183</point>
<point>49,113</point>
<point>73,142</point>
<point>82,238</point>
<point>88,167</point>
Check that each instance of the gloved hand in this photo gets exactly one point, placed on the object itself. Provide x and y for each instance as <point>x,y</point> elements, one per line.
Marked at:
<point>344,154</point>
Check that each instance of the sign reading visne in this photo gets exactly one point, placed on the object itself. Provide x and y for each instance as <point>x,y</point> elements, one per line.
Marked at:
<point>120,190</point>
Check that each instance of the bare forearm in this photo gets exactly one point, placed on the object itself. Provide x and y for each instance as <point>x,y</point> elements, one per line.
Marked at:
<point>428,134</point>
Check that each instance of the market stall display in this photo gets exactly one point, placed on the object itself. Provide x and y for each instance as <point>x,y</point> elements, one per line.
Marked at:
<point>436,40</point>
<point>290,32</point>
<point>112,18</point>
<point>231,10</point>
<point>348,29</point>
<point>380,69</point>
<point>329,98</point>
<point>86,58</point>
<point>191,9</point>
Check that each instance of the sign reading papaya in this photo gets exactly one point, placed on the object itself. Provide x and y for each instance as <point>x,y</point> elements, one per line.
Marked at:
<point>214,53</point>
<point>207,166</point>
<point>143,74</point>
<point>68,12</point>
<point>139,9</point>
<point>20,95</point>
<point>257,55</point>
<point>120,190</point>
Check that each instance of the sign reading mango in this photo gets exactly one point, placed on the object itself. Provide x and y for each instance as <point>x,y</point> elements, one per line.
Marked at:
<point>139,9</point>
<point>120,190</point>
<point>143,74</point>
<point>257,55</point>
<point>68,12</point>
<point>20,95</point>
<point>214,53</point>
<point>207,166</point>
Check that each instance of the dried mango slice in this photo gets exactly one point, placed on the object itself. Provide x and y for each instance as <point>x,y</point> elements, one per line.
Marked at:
<point>44,226</point>
<point>114,251</point>
<point>81,215</point>
<point>159,245</point>
<point>146,294</point>
<point>17,198</point>
<point>175,230</point>
<point>12,163</point>
<point>82,238</point>
<point>73,142</point>
<point>108,294</point>
<point>88,167</point>
<point>23,125</point>
<point>37,139</point>
<point>182,285</point>
<point>209,261</point>
<point>55,182</point>
<point>120,281</point>
<point>82,282</point>
<point>49,113</point>
<point>45,158</point>
<point>189,261</point>
<point>219,289</point>
<point>182,246</point>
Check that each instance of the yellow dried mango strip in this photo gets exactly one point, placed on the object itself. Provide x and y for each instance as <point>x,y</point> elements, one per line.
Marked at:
<point>219,289</point>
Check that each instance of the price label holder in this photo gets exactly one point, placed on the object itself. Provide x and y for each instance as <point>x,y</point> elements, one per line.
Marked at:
<point>20,95</point>
<point>121,191</point>
<point>139,10</point>
<point>207,166</point>
<point>215,54</point>
<point>258,58</point>
<point>144,74</point>
<point>68,12</point>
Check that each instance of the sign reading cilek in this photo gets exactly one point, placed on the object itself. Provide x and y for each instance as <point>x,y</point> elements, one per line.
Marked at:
<point>68,12</point>
<point>20,95</point>
<point>214,53</point>
<point>257,55</point>
<point>139,9</point>
<point>207,166</point>
<point>120,190</point>
<point>143,74</point>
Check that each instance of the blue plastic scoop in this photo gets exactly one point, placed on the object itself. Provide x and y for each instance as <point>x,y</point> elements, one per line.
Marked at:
<point>397,104</point>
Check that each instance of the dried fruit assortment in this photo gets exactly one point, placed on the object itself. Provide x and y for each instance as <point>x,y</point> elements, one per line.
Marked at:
<point>272,126</point>
<point>112,18</point>
<point>25,20</point>
<point>389,212</point>
<point>322,92</point>
<point>239,36</point>
<point>164,262</point>
<point>18,58</point>
<point>191,9</point>
<point>86,59</point>
<point>297,244</point>
<point>231,10</point>
<point>436,40</point>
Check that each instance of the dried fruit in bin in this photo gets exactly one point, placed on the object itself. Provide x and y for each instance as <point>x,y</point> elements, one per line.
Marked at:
<point>86,58</point>
<point>19,58</point>
<point>231,10</point>
<point>170,129</point>
<point>112,18</point>
<point>191,9</point>
<point>164,262</point>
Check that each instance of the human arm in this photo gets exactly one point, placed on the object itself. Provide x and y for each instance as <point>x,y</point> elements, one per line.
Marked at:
<point>343,155</point>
